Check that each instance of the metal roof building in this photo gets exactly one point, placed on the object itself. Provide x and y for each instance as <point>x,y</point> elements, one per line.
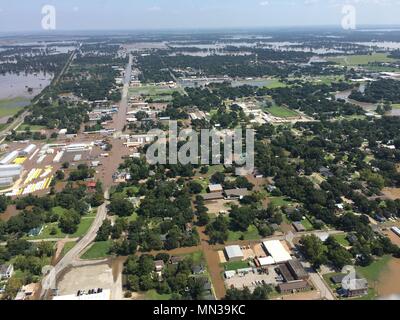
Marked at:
<point>10,157</point>
<point>277,251</point>
<point>28,150</point>
<point>234,253</point>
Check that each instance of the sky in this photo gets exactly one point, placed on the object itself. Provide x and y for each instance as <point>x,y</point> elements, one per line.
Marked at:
<point>25,15</point>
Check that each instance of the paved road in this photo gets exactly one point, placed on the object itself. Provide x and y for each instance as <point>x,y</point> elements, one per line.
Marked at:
<point>49,281</point>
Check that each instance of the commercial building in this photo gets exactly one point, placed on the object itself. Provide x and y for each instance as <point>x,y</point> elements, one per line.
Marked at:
<point>9,174</point>
<point>297,270</point>
<point>277,251</point>
<point>28,150</point>
<point>9,157</point>
<point>294,286</point>
<point>234,253</point>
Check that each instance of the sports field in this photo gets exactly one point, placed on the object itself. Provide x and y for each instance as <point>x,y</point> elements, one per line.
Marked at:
<point>281,112</point>
<point>361,59</point>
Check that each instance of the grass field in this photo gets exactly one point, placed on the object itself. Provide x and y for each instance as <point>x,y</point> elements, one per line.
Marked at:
<point>9,107</point>
<point>396,106</point>
<point>250,234</point>
<point>83,228</point>
<point>155,92</point>
<point>98,250</point>
<point>374,270</point>
<point>25,126</point>
<point>307,224</point>
<point>235,265</point>
<point>341,238</point>
<point>361,59</point>
<point>281,112</point>
<point>153,295</point>
<point>280,201</point>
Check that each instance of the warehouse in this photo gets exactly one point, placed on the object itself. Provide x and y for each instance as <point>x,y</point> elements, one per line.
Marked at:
<point>10,157</point>
<point>277,251</point>
<point>234,253</point>
<point>28,150</point>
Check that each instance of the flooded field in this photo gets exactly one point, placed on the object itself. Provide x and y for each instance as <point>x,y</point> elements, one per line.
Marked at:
<point>14,85</point>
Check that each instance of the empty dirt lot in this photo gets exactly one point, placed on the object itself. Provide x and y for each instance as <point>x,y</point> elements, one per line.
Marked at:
<point>85,278</point>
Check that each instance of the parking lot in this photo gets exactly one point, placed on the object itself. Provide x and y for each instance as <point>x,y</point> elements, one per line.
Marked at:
<point>253,280</point>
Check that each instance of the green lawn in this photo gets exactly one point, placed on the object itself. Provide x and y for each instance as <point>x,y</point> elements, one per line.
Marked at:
<point>280,201</point>
<point>281,112</point>
<point>341,238</point>
<point>353,60</point>
<point>236,265</point>
<point>250,234</point>
<point>83,228</point>
<point>374,270</point>
<point>98,250</point>
<point>396,106</point>
<point>307,224</point>
<point>25,126</point>
<point>153,295</point>
<point>68,246</point>
<point>9,107</point>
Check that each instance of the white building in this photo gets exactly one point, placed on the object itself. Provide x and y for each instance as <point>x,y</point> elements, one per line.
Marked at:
<point>234,253</point>
<point>277,251</point>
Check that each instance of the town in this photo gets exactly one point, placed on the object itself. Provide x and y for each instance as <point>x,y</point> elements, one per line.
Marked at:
<point>84,214</point>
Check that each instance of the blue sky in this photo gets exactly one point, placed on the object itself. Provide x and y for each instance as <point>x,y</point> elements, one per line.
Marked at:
<point>25,15</point>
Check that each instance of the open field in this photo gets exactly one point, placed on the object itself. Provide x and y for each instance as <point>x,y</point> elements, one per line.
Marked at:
<point>250,234</point>
<point>98,250</point>
<point>9,107</point>
<point>47,233</point>
<point>85,278</point>
<point>341,238</point>
<point>281,112</point>
<point>373,272</point>
<point>361,59</point>
<point>235,265</point>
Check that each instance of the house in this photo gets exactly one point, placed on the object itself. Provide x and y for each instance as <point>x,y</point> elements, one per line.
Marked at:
<point>234,253</point>
<point>159,265</point>
<point>215,188</point>
<point>354,287</point>
<point>35,231</point>
<point>294,286</point>
<point>236,193</point>
<point>175,259</point>
<point>325,172</point>
<point>6,271</point>
<point>213,196</point>
<point>198,269</point>
<point>337,279</point>
<point>298,226</point>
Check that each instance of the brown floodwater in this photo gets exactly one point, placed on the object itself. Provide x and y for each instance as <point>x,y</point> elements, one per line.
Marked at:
<point>389,283</point>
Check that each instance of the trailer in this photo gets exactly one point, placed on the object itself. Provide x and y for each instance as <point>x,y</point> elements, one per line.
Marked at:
<point>396,230</point>
<point>28,150</point>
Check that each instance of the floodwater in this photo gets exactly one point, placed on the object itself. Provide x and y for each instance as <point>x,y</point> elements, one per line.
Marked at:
<point>13,85</point>
<point>344,95</point>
